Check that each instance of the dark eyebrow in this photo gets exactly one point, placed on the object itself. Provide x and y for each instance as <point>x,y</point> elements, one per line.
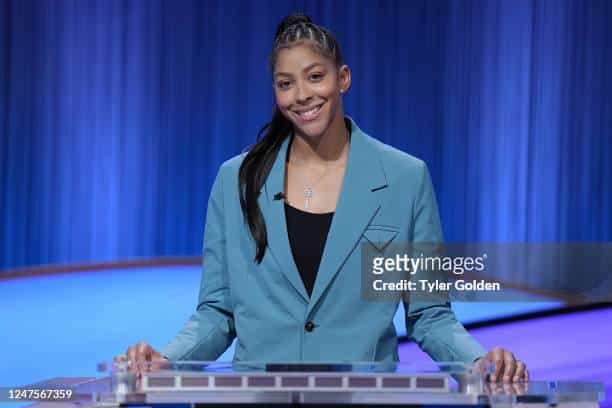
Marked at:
<point>308,68</point>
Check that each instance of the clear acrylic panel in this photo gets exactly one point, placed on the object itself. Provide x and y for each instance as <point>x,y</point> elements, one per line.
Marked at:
<point>319,383</point>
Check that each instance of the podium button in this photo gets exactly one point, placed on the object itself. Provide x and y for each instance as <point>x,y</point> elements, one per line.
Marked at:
<point>309,326</point>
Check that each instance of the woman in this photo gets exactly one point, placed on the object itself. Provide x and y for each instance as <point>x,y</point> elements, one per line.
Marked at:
<point>284,226</point>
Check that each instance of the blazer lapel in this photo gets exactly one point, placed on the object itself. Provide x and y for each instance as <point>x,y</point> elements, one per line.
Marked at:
<point>357,205</point>
<point>273,210</point>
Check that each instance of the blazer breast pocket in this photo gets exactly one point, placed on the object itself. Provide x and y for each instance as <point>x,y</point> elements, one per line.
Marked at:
<point>380,236</point>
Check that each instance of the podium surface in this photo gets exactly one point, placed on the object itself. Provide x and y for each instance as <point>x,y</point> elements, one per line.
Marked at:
<point>202,384</point>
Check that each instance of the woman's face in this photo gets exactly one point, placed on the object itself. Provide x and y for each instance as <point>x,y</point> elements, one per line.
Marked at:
<point>308,88</point>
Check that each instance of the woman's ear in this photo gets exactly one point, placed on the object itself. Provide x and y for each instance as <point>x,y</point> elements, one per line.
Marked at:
<point>344,78</point>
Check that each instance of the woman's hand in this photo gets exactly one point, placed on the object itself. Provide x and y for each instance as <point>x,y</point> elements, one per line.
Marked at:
<point>140,356</point>
<point>140,351</point>
<point>507,367</point>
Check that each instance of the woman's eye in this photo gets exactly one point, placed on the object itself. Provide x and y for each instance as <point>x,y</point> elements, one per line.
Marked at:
<point>316,77</point>
<point>283,84</point>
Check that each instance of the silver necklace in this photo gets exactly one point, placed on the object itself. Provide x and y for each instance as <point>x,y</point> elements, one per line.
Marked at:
<point>308,189</point>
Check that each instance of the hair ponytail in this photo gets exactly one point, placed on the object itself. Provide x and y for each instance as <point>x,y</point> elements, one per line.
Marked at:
<point>253,173</point>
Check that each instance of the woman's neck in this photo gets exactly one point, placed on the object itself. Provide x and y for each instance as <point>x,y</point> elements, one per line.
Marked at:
<point>329,148</point>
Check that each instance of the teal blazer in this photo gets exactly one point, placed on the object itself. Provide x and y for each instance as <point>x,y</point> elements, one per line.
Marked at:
<point>387,195</point>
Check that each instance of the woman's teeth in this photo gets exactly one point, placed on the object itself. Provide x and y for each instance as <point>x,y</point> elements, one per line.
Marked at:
<point>310,112</point>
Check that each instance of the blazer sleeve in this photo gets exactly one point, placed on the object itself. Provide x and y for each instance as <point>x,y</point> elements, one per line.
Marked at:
<point>210,330</point>
<point>432,324</point>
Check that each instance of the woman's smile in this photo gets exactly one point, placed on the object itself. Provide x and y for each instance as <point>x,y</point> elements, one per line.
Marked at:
<point>308,114</point>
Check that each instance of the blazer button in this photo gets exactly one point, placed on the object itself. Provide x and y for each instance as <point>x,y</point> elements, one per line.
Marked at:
<point>309,326</point>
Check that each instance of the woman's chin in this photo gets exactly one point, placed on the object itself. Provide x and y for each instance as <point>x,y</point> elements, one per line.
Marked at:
<point>313,130</point>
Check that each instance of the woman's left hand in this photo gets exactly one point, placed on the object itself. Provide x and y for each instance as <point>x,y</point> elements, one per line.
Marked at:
<point>507,367</point>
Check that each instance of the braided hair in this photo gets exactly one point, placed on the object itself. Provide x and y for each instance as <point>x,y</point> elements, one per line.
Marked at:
<point>293,30</point>
<point>297,28</point>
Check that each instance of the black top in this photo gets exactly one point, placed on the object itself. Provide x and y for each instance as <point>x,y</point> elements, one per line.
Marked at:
<point>307,235</point>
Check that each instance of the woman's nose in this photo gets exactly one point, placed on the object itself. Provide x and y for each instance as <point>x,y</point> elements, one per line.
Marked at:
<point>303,93</point>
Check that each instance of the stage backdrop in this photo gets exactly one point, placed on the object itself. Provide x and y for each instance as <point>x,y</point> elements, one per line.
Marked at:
<point>115,115</point>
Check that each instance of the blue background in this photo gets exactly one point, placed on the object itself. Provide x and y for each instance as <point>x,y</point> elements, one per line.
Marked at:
<point>115,115</point>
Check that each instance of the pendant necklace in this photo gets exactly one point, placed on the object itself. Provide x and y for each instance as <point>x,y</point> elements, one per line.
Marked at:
<point>309,191</point>
<point>309,188</point>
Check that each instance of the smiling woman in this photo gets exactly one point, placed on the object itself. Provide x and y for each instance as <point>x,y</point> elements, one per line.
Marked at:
<point>286,222</point>
<point>307,87</point>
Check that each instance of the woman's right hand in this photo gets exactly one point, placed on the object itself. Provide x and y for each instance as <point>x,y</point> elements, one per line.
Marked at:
<point>140,351</point>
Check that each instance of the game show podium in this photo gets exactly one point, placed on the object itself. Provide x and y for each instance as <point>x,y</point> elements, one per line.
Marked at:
<point>202,384</point>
